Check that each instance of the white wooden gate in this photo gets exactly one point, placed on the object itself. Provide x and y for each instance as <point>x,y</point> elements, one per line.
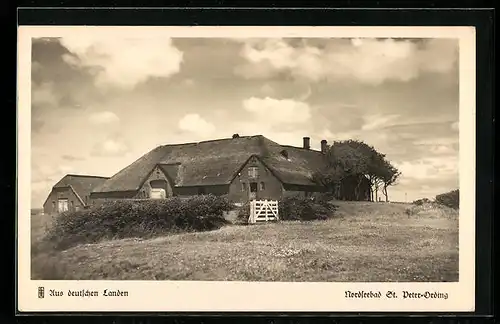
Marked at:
<point>263,211</point>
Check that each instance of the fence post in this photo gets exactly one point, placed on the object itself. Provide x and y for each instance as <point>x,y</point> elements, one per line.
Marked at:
<point>252,211</point>
<point>266,205</point>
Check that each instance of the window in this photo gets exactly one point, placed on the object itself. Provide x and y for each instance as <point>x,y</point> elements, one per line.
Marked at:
<point>243,186</point>
<point>262,186</point>
<point>62,205</point>
<point>253,187</point>
<point>72,205</point>
<point>53,205</point>
<point>253,172</point>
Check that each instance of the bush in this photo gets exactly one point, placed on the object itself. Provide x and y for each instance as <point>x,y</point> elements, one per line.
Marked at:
<point>138,218</point>
<point>299,208</point>
<point>322,197</point>
<point>450,199</point>
<point>420,202</point>
<point>243,212</point>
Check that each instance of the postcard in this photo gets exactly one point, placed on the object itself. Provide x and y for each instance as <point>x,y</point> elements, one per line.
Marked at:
<point>246,169</point>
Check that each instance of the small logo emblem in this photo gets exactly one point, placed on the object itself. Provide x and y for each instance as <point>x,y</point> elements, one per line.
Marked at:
<point>41,292</point>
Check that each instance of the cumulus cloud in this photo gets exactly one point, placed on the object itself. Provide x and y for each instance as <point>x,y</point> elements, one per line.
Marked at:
<point>123,62</point>
<point>370,60</point>
<point>109,148</point>
<point>194,123</point>
<point>280,111</point>
<point>104,118</point>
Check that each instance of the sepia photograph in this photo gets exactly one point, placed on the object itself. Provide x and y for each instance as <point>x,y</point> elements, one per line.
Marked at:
<point>287,158</point>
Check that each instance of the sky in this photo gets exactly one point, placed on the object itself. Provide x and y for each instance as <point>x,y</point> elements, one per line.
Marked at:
<point>98,103</point>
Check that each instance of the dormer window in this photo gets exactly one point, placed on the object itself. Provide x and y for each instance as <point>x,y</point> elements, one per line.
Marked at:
<point>284,153</point>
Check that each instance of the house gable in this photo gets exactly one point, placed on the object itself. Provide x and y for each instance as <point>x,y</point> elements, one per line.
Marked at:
<point>157,179</point>
<point>254,178</point>
<point>57,194</point>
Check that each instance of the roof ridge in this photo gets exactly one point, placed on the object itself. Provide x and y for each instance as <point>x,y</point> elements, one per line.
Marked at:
<point>84,176</point>
<point>210,141</point>
<point>301,148</point>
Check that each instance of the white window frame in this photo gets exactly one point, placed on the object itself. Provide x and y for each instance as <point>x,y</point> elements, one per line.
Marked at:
<point>59,209</point>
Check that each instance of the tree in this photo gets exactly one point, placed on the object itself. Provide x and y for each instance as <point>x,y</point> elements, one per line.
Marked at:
<point>390,176</point>
<point>351,161</point>
<point>374,164</point>
<point>357,160</point>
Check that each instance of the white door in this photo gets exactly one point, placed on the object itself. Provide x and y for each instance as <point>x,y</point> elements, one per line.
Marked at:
<point>158,193</point>
<point>62,205</point>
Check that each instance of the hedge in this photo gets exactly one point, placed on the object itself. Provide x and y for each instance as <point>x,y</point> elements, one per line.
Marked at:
<point>450,199</point>
<point>138,218</point>
<point>297,208</point>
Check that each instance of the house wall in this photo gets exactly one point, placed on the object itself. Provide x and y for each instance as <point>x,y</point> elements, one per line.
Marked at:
<point>157,174</point>
<point>272,186</point>
<point>51,204</point>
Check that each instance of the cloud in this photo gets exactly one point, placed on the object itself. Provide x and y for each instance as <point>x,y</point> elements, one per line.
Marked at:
<point>429,168</point>
<point>194,123</point>
<point>438,141</point>
<point>44,100</point>
<point>371,61</point>
<point>109,148</point>
<point>72,158</point>
<point>280,111</point>
<point>373,122</point>
<point>267,89</point>
<point>43,94</point>
<point>104,118</point>
<point>123,62</point>
<point>188,83</point>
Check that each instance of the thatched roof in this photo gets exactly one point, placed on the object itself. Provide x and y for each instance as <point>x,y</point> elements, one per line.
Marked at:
<point>82,185</point>
<point>216,162</point>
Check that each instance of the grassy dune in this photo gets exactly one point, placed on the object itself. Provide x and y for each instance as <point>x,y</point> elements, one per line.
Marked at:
<point>365,242</point>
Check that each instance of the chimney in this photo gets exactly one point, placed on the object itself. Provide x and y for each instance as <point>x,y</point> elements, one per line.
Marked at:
<point>307,142</point>
<point>324,147</point>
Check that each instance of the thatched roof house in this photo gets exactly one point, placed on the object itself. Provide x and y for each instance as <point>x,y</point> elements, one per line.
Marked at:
<point>72,192</point>
<point>244,167</point>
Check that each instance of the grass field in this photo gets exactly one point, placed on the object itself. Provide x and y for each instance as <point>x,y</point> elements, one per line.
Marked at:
<point>365,242</point>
